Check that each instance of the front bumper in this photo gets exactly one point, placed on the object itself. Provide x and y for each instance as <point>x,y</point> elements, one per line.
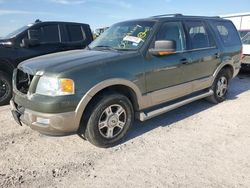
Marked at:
<point>50,124</point>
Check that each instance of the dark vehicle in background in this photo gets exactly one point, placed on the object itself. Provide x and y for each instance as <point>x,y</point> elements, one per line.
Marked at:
<point>34,40</point>
<point>136,69</point>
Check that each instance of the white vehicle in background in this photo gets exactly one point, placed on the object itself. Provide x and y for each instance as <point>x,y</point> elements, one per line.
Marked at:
<point>246,51</point>
<point>242,23</point>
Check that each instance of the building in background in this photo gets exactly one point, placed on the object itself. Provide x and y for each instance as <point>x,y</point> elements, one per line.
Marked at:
<point>242,23</point>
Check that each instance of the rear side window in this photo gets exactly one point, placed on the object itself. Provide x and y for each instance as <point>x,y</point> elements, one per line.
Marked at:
<point>50,34</point>
<point>227,33</point>
<point>75,33</point>
<point>198,35</point>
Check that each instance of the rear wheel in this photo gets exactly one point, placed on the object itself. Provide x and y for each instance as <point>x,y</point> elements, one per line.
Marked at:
<point>220,87</point>
<point>5,88</point>
<point>109,120</point>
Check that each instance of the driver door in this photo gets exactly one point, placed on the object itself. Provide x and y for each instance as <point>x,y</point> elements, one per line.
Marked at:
<point>164,74</point>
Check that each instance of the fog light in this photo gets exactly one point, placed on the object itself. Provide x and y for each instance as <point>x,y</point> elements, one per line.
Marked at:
<point>42,121</point>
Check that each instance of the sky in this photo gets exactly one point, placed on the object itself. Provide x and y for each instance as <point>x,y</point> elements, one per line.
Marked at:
<point>100,13</point>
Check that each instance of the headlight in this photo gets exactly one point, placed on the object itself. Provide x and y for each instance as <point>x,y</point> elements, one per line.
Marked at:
<point>55,86</point>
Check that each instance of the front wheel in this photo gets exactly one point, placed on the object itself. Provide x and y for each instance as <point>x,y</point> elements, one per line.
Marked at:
<point>220,87</point>
<point>110,119</point>
<point>5,88</point>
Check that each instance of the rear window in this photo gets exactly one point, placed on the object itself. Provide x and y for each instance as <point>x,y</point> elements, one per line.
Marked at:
<point>227,33</point>
<point>75,33</point>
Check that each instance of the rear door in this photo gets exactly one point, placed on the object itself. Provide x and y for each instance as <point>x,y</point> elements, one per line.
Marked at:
<point>204,51</point>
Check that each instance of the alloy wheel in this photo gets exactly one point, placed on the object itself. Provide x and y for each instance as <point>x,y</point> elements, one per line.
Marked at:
<point>112,121</point>
<point>222,86</point>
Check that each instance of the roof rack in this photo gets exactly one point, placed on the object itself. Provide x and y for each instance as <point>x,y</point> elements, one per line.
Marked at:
<point>181,15</point>
<point>167,15</point>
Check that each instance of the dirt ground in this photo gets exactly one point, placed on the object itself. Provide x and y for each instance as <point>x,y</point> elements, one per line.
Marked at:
<point>198,145</point>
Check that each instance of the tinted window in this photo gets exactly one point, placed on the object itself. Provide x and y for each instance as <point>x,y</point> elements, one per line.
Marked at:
<point>227,33</point>
<point>50,34</point>
<point>198,35</point>
<point>75,33</point>
<point>172,31</point>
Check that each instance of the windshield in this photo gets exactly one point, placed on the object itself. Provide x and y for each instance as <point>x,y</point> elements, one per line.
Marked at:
<point>124,36</point>
<point>16,32</point>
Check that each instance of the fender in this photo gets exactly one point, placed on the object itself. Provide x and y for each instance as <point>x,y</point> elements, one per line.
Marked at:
<point>6,66</point>
<point>222,65</point>
<point>143,101</point>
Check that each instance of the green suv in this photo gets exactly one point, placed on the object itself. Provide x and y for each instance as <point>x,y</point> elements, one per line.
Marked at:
<point>136,69</point>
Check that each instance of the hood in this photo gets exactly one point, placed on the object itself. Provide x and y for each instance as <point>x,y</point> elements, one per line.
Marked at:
<point>5,42</point>
<point>66,61</point>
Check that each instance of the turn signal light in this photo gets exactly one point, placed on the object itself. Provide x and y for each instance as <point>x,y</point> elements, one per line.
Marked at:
<point>67,85</point>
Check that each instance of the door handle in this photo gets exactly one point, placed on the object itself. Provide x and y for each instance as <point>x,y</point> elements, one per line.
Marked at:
<point>217,55</point>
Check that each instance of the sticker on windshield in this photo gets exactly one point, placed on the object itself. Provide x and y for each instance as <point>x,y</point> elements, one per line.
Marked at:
<point>132,39</point>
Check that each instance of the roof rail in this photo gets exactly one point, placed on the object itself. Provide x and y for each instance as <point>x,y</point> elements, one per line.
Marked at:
<point>167,15</point>
<point>181,15</point>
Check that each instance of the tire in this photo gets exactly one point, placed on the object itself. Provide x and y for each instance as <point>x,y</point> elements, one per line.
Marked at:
<point>109,120</point>
<point>5,88</point>
<point>220,87</point>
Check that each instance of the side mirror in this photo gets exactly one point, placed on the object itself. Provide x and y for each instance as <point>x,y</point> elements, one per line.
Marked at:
<point>29,43</point>
<point>163,47</point>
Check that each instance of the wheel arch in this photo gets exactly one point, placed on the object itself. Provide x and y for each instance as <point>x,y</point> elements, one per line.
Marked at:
<point>6,66</point>
<point>230,69</point>
<point>121,86</point>
<point>227,66</point>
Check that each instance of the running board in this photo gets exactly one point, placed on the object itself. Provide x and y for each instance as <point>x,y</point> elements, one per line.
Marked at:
<point>145,116</point>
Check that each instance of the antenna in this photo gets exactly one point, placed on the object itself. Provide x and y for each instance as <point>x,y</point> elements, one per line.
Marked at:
<point>38,21</point>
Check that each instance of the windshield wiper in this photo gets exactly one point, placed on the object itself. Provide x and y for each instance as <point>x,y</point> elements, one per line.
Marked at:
<point>105,47</point>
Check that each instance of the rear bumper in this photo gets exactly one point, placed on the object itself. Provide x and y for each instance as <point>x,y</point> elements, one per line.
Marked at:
<point>45,123</point>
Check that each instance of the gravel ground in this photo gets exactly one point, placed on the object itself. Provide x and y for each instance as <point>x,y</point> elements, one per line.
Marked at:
<point>198,145</point>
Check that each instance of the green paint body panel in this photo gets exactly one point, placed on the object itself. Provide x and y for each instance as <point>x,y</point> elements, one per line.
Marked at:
<point>149,73</point>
